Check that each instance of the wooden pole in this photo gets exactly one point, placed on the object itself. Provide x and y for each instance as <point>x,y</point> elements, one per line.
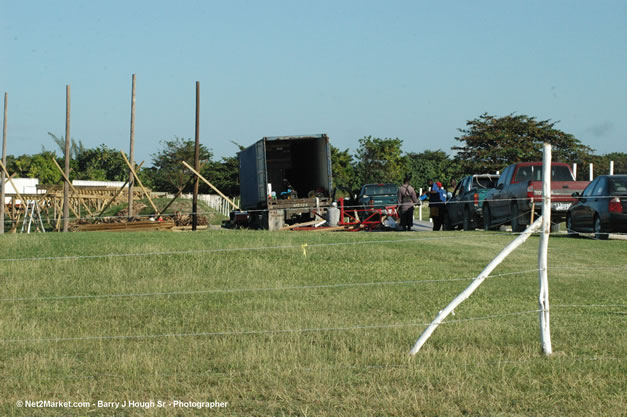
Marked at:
<point>4,162</point>
<point>196,160</point>
<point>543,298</point>
<point>139,182</point>
<point>210,185</point>
<point>17,193</point>
<point>66,185</point>
<point>131,155</point>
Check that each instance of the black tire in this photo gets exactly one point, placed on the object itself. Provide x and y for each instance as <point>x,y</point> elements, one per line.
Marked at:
<point>487,218</point>
<point>569,227</point>
<point>517,226</point>
<point>555,227</point>
<point>597,230</point>
<point>468,223</point>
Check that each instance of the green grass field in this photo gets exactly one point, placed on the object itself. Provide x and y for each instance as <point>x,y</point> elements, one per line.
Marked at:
<point>273,327</point>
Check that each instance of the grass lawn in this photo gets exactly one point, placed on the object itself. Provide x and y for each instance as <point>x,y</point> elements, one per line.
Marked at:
<point>273,327</point>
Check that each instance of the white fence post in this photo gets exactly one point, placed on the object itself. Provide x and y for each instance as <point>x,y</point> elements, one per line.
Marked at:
<point>575,170</point>
<point>591,172</point>
<point>543,299</point>
<point>611,167</point>
<point>420,207</point>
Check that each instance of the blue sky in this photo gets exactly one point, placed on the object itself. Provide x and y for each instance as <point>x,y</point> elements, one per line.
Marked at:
<point>415,70</point>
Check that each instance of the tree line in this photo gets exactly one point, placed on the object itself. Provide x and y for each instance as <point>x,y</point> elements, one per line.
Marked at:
<point>486,144</point>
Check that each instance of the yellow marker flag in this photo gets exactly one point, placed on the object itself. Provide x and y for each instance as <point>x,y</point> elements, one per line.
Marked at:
<point>304,246</point>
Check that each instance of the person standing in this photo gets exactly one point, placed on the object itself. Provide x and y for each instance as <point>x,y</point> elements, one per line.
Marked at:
<point>406,199</point>
<point>436,196</point>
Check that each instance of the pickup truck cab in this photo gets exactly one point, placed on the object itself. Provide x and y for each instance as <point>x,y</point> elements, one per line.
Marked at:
<point>377,196</point>
<point>518,193</point>
<point>463,209</point>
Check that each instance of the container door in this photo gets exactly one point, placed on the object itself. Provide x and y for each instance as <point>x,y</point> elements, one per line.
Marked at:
<point>252,172</point>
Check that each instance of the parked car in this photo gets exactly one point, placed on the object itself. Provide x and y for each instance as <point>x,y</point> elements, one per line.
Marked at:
<point>463,209</point>
<point>518,193</point>
<point>601,208</point>
<point>378,196</point>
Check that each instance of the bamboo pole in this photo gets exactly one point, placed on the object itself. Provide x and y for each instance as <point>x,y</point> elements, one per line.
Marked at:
<point>17,193</point>
<point>210,185</point>
<point>106,206</point>
<point>178,194</point>
<point>131,155</point>
<point>74,190</point>
<point>4,162</point>
<point>139,182</point>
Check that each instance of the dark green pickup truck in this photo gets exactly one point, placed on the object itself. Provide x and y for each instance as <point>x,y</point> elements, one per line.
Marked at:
<point>463,208</point>
<point>378,196</point>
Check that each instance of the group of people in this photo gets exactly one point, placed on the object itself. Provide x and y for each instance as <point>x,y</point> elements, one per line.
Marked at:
<point>436,194</point>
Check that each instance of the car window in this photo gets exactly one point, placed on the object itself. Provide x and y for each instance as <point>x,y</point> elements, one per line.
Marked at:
<point>588,190</point>
<point>618,185</point>
<point>458,189</point>
<point>483,182</point>
<point>507,175</point>
<point>561,173</point>
<point>599,190</point>
<point>524,173</point>
<point>378,189</point>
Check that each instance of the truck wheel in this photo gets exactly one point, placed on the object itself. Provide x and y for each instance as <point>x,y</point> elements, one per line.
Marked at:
<point>517,226</point>
<point>555,227</point>
<point>597,229</point>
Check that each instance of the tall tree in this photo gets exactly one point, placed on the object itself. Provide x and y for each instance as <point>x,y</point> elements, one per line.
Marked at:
<point>491,143</point>
<point>343,171</point>
<point>379,160</point>
<point>169,172</point>
<point>76,148</point>
<point>101,164</point>
<point>431,165</point>
<point>223,174</point>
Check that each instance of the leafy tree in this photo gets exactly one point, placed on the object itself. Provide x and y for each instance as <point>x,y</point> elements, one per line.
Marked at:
<point>224,175</point>
<point>343,171</point>
<point>491,143</point>
<point>379,160</point>
<point>35,166</point>
<point>169,173</point>
<point>434,165</point>
<point>602,165</point>
<point>101,164</point>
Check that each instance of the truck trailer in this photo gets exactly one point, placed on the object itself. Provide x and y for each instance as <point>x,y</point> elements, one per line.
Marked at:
<point>284,180</point>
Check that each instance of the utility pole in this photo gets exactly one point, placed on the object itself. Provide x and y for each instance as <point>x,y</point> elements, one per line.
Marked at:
<point>131,155</point>
<point>196,160</point>
<point>66,185</point>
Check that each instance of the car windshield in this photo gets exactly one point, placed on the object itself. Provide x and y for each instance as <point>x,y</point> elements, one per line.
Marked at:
<point>618,185</point>
<point>534,173</point>
<point>378,189</point>
<point>481,182</point>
